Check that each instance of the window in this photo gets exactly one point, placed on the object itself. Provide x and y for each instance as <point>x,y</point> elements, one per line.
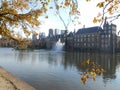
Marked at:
<point>102,36</point>
<point>88,36</point>
<point>88,44</point>
<point>93,39</point>
<point>88,39</point>
<point>84,35</point>
<point>84,44</point>
<point>106,35</point>
<point>109,27</point>
<point>104,28</point>
<point>113,27</point>
<point>81,39</point>
<point>102,45</point>
<point>105,31</point>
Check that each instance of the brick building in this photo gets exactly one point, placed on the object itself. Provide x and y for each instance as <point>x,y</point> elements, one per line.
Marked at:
<point>94,38</point>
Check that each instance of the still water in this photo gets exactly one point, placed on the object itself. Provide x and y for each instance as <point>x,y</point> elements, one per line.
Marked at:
<point>51,70</point>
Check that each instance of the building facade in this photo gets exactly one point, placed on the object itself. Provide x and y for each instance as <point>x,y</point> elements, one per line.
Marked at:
<point>94,38</point>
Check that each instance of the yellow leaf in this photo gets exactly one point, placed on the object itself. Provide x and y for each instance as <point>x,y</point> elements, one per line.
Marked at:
<point>116,1</point>
<point>57,7</point>
<point>110,9</point>
<point>95,20</point>
<point>83,64</point>
<point>102,70</point>
<point>67,3</point>
<point>100,4</point>
<point>48,0</point>
<point>107,0</point>
<point>88,0</point>
<point>88,62</point>
<point>46,17</point>
<point>83,79</point>
<point>35,33</point>
<point>5,4</point>
<point>93,74</point>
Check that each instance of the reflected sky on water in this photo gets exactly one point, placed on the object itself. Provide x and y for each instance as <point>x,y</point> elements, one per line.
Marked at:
<point>51,70</point>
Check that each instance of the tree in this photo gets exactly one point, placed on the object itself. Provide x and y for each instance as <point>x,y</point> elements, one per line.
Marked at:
<point>13,15</point>
<point>24,14</point>
<point>110,10</point>
<point>67,15</point>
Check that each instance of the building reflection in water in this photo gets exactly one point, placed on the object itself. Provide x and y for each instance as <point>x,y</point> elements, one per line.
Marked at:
<point>73,59</point>
<point>22,56</point>
<point>108,61</point>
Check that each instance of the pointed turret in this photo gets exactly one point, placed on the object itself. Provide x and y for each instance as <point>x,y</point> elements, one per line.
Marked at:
<point>106,24</point>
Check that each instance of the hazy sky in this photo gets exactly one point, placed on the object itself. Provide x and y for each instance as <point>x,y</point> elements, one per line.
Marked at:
<point>88,11</point>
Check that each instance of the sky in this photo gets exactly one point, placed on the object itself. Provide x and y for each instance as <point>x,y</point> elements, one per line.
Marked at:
<point>88,11</point>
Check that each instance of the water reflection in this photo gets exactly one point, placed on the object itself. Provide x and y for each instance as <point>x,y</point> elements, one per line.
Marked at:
<point>61,70</point>
<point>73,59</point>
<point>107,61</point>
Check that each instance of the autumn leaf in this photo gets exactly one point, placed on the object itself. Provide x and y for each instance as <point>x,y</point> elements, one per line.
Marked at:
<point>57,7</point>
<point>88,61</point>
<point>46,17</point>
<point>88,0</point>
<point>67,3</point>
<point>92,70</point>
<point>49,0</point>
<point>116,1</point>
<point>27,33</point>
<point>5,4</point>
<point>107,0</point>
<point>35,33</point>
<point>83,64</point>
<point>100,4</point>
<point>95,20</point>
<point>110,9</point>
<point>83,79</point>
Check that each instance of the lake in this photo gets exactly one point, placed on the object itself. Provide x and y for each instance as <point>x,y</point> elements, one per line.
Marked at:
<point>52,70</point>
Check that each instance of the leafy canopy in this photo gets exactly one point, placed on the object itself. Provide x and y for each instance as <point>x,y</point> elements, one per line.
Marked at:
<point>24,14</point>
<point>110,10</point>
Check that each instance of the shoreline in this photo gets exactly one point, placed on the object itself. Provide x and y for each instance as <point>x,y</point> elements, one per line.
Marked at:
<point>8,81</point>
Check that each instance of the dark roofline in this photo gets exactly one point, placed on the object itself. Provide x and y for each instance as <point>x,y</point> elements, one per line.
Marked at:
<point>89,30</point>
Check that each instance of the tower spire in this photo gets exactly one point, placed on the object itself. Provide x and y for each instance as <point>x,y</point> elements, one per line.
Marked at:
<point>105,20</point>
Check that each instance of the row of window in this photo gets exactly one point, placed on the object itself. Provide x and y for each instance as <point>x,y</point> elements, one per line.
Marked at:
<point>86,35</point>
<point>83,39</point>
<point>95,35</point>
<point>110,27</point>
<point>104,35</point>
<point>92,45</point>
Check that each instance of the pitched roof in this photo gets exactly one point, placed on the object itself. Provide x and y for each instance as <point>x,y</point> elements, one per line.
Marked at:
<point>89,30</point>
<point>71,34</point>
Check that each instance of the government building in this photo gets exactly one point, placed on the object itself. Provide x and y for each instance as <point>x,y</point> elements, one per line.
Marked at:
<point>94,39</point>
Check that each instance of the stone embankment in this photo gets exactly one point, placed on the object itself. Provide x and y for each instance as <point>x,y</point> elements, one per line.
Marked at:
<point>10,82</point>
